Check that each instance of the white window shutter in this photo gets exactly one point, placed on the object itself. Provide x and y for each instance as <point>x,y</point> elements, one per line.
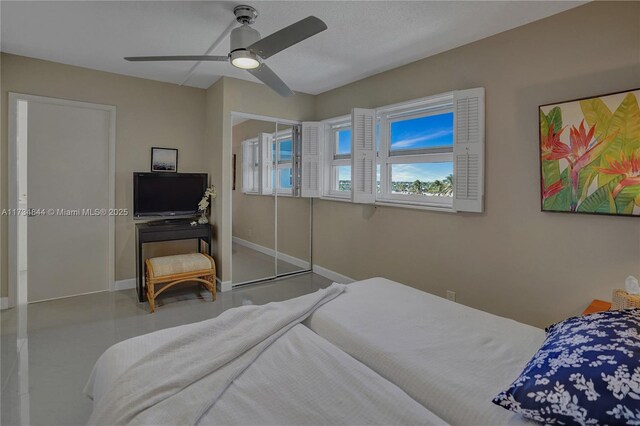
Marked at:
<point>247,178</point>
<point>363,155</point>
<point>311,173</point>
<point>326,160</point>
<point>255,166</point>
<point>468,152</point>
<point>266,163</point>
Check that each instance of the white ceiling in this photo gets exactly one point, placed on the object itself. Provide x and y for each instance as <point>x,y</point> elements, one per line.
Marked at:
<point>364,37</point>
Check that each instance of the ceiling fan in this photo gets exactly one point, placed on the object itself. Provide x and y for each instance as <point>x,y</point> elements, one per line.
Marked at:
<point>248,50</point>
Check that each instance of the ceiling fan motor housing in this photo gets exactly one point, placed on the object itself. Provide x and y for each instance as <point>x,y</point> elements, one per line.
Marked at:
<point>243,36</point>
<point>245,14</point>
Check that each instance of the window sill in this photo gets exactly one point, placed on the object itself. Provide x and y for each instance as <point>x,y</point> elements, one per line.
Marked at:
<point>431,207</point>
<point>395,203</point>
<point>280,194</point>
<point>346,199</point>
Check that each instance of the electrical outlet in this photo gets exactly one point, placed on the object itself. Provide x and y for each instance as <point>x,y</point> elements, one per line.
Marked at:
<point>451,295</point>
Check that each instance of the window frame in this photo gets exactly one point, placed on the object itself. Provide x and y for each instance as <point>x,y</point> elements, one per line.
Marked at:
<point>385,159</point>
<point>278,138</point>
<point>431,105</point>
<point>333,160</point>
<point>251,170</point>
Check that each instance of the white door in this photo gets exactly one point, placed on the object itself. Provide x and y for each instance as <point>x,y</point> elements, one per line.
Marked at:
<point>68,189</point>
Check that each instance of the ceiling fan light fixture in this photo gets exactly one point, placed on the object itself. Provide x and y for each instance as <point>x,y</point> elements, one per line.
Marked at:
<point>244,59</point>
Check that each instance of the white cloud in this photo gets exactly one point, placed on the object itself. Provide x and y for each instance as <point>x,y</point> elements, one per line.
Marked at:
<point>409,143</point>
<point>425,172</point>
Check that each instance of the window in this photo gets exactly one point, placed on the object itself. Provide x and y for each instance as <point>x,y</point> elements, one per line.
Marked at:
<point>338,154</point>
<point>250,166</point>
<point>416,155</point>
<point>283,162</point>
<point>271,163</point>
<point>427,153</point>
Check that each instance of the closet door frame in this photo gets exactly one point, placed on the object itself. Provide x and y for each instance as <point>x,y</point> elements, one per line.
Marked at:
<point>229,206</point>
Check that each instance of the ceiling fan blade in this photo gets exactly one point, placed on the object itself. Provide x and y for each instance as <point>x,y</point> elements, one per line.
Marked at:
<point>177,58</point>
<point>288,36</point>
<point>268,77</point>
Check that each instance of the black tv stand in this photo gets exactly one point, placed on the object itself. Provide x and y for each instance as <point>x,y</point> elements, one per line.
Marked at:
<point>175,221</point>
<point>170,230</point>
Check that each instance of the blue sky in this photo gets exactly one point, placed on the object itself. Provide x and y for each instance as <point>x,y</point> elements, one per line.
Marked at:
<point>285,155</point>
<point>424,132</point>
<point>285,150</point>
<point>344,142</point>
<point>344,173</point>
<point>425,172</point>
<point>285,178</point>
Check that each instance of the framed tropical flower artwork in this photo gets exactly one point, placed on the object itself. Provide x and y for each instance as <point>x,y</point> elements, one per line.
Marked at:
<point>590,155</point>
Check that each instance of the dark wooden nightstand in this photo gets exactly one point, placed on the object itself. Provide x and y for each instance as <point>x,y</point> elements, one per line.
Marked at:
<point>170,230</point>
<point>597,306</point>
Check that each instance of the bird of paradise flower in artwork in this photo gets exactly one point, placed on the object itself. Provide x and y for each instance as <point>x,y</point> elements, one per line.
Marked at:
<point>551,144</point>
<point>551,190</point>
<point>583,148</point>
<point>629,168</point>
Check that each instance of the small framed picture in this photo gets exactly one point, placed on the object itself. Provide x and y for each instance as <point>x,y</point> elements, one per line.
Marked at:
<point>164,160</point>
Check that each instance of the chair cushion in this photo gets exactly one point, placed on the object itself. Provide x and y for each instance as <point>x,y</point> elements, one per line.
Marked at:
<point>180,263</point>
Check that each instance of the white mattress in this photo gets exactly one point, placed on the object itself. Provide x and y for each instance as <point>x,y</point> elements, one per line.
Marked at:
<point>299,379</point>
<point>450,358</point>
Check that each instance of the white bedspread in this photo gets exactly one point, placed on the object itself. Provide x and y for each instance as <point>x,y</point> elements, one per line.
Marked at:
<point>178,382</point>
<point>451,358</point>
<point>299,378</point>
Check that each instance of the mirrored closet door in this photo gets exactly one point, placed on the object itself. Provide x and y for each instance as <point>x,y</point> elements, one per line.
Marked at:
<point>253,203</point>
<point>293,218</point>
<point>271,222</point>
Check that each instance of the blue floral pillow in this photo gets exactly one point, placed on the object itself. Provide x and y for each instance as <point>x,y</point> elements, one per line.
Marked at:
<point>587,372</point>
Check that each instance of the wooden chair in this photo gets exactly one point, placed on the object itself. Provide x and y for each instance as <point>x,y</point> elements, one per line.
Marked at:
<point>177,269</point>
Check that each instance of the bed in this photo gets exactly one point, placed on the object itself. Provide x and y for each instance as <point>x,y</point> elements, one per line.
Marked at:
<point>378,352</point>
<point>450,358</point>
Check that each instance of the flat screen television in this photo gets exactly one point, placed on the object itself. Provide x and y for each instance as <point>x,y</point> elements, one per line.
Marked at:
<point>167,194</point>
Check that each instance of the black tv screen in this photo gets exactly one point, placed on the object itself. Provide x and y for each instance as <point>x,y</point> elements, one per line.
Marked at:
<point>167,194</point>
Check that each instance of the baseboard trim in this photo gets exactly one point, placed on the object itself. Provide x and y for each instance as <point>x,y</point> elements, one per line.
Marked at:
<point>4,303</point>
<point>334,276</point>
<point>125,284</point>
<point>66,297</point>
<point>270,252</point>
<point>223,286</point>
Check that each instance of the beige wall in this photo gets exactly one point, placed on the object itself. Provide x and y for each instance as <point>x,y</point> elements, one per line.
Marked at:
<point>212,155</point>
<point>513,260</point>
<point>253,217</point>
<point>239,96</point>
<point>149,114</point>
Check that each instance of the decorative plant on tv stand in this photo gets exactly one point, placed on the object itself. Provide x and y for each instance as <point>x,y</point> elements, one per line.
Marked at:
<point>203,205</point>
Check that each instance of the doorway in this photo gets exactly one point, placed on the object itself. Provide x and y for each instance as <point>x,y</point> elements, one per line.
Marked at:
<point>61,193</point>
